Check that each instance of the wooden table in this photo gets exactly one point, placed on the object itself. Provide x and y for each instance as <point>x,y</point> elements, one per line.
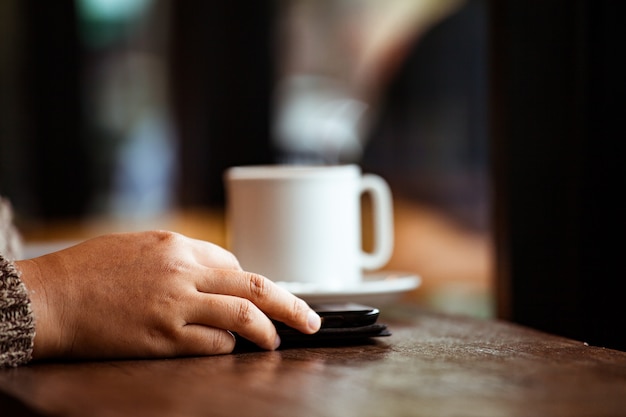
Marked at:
<point>432,365</point>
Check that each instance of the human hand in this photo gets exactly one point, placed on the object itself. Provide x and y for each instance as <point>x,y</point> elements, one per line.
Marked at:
<point>152,294</point>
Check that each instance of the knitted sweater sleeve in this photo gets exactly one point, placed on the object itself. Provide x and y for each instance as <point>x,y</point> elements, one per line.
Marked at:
<point>17,325</point>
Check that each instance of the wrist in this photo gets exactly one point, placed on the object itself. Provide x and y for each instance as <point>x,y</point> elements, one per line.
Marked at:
<point>47,341</point>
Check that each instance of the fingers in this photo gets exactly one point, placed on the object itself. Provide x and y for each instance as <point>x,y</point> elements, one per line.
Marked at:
<point>203,340</point>
<point>236,314</point>
<point>225,276</point>
<point>272,299</point>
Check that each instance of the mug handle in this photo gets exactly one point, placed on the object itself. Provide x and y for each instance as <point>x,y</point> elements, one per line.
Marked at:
<point>382,213</point>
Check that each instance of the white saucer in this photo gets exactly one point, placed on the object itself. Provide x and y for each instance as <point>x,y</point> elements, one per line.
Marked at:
<point>377,288</point>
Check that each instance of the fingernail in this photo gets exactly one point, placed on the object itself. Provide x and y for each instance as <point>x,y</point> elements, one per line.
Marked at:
<point>276,342</point>
<point>314,321</point>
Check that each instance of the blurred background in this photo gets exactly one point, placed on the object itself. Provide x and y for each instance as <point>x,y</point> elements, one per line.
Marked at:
<point>485,117</point>
<point>148,100</point>
<point>129,111</point>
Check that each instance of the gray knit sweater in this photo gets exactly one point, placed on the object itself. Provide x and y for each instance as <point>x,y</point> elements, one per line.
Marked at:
<point>17,324</point>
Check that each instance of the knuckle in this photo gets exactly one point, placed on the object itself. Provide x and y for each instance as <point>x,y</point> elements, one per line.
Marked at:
<point>259,286</point>
<point>222,341</point>
<point>244,314</point>
<point>166,237</point>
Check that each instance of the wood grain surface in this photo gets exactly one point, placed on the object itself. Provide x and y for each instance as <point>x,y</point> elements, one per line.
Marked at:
<point>432,365</point>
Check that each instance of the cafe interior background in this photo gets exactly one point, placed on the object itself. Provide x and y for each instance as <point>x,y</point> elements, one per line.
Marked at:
<point>123,114</point>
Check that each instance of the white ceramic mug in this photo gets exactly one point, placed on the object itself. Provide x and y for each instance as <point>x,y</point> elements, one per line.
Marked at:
<point>303,223</point>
